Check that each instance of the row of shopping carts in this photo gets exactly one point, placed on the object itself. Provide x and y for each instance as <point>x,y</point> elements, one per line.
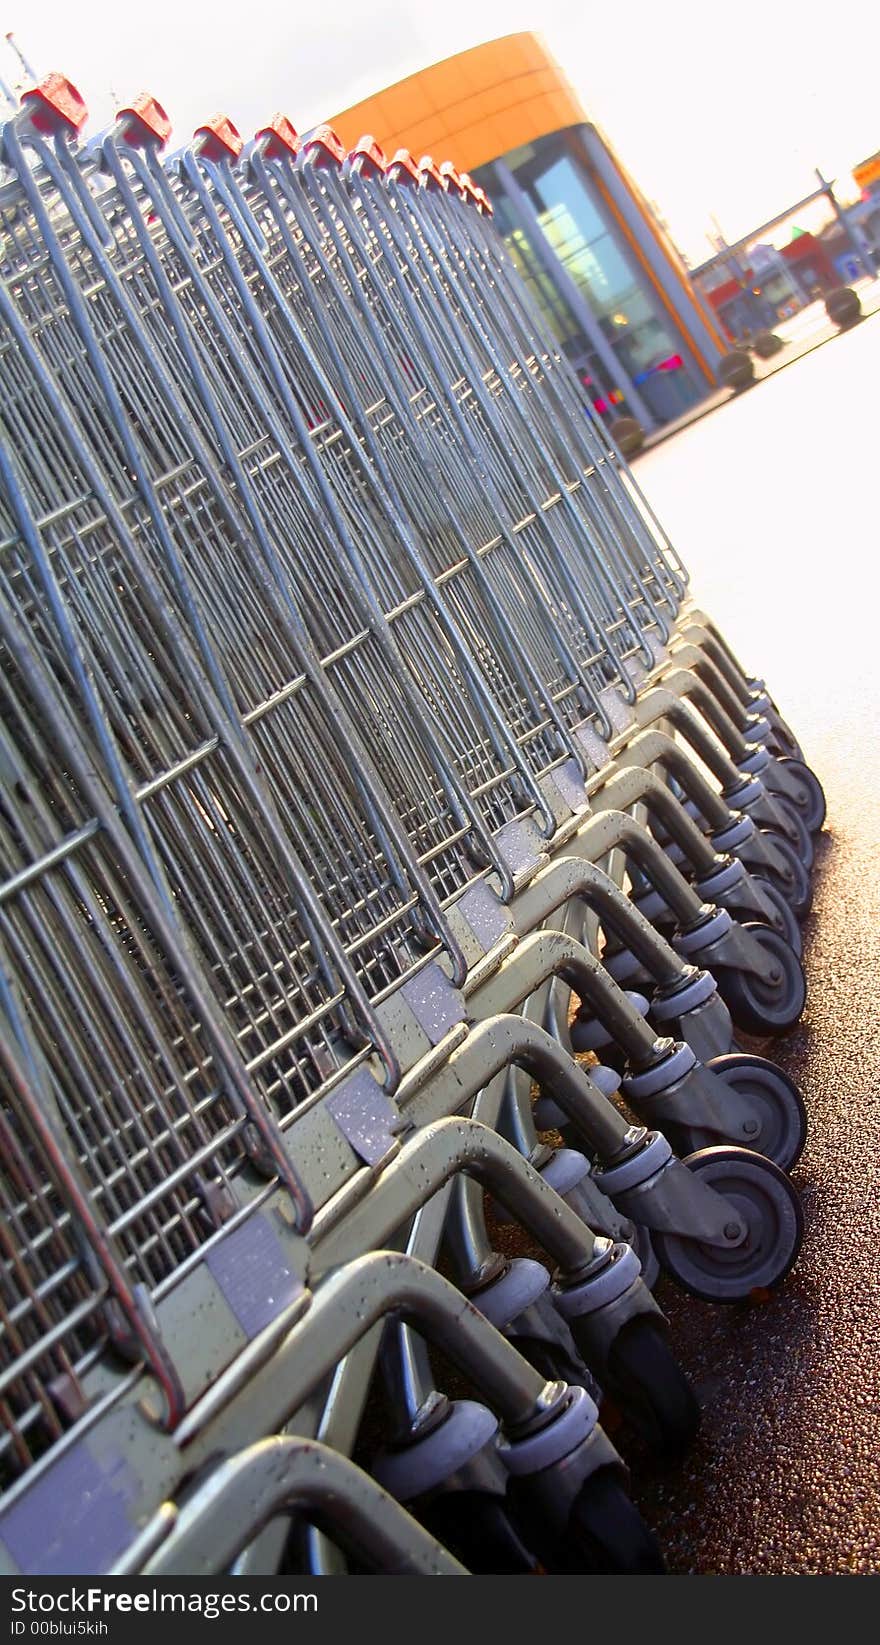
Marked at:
<point>390,849</point>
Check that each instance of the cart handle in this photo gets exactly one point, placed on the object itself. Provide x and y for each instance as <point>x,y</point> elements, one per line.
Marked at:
<point>368,158</point>
<point>218,138</point>
<point>429,174</point>
<point>323,147</point>
<point>403,168</point>
<point>278,138</point>
<point>144,121</point>
<point>451,178</point>
<point>55,103</point>
<point>484,203</point>
<point>54,109</point>
<point>139,128</point>
<point>470,192</point>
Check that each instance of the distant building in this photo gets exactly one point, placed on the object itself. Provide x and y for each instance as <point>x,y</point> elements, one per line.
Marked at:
<point>867,176</point>
<point>866,215</point>
<point>611,285</point>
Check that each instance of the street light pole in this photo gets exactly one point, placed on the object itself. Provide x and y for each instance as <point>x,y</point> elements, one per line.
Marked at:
<point>861,255</point>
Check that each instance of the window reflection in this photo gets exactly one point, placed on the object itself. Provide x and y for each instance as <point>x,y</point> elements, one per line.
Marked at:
<point>599,267</point>
<point>587,242</point>
<point>604,394</point>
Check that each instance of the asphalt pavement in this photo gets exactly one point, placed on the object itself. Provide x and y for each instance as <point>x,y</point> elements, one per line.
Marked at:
<point>774,503</point>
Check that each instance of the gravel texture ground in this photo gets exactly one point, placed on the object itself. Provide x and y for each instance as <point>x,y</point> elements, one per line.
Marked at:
<point>775,505</point>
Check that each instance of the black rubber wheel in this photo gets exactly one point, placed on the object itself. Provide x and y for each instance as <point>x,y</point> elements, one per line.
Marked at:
<point>784,919</point>
<point>810,798</point>
<point>791,877</point>
<point>477,1529</point>
<point>759,1007</point>
<point>765,1199</point>
<point>797,833</point>
<point>645,1379</point>
<point>782,740</point>
<point>783,745</point>
<point>779,1106</point>
<point>642,1245</point>
<point>605,1534</point>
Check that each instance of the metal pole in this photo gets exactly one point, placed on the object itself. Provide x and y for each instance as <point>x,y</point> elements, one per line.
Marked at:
<point>733,265</point>
<point>28,71</point>
<point>861,255</point>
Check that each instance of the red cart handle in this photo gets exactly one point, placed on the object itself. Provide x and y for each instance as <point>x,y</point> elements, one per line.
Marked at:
<point>429,174</point>
<point>218,138</point>
<point>402,168</point>
<point>55,104</point>
<point>484,203</point>
<point>144,121</point>
<point>469,189</point>
<point>452,178</point>
<point>278,138</point>
<point>323,146</point>
<point>368,158</point>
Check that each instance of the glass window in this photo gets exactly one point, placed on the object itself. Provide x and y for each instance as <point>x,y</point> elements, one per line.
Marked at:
<point>606,398</point>
<point>574,224</point>
<point>601,269</point>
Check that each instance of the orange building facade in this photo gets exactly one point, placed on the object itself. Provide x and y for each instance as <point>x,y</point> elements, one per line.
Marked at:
<point>608,279</point>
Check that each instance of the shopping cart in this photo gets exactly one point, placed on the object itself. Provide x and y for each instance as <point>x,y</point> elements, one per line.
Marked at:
<point>507,318</point>
<point>458,565</point>
<point>130,364</point>
<point>163,1233</point>
<point>168,641</point>
<point>562,955</point>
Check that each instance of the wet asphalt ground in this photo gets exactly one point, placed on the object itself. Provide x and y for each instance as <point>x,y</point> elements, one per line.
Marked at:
<point>774,503</point>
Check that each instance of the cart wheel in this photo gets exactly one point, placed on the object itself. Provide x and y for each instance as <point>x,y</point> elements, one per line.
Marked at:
<point>765,1199</point>
<point>643,1246</point>
<point>784,919</point>
<point>647,1382</point>
<point>476,1528</point>
<point>782,741</point>
<point>794,879</point>
<point>605,1535</point>
<point>810,798</point>
<point>777,1101</point>
<point>760,1007</point>
<point>804,847</point>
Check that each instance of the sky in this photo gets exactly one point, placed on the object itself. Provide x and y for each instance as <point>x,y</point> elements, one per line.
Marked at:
<point>718,109</point>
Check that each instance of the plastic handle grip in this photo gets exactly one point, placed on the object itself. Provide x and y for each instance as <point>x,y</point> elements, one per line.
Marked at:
<point>402,168</point>
<point>278,137</point>
<point>368,157</point>
<point>469,189</point>
<point>429,174</point>
<point>322,145</point>
<point>219,139</point>
<point>144,121</point>
<point>55,104</point>
<point>451,177</point>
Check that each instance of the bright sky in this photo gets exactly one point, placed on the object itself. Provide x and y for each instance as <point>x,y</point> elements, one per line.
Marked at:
<point>720,107</point>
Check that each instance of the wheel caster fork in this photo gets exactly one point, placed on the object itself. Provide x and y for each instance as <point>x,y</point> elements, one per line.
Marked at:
<point>736,1099</point>
<point>725,1222</point>
<point>568,1488</point>
<point>447,1471</point>
<point>758,973</point>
